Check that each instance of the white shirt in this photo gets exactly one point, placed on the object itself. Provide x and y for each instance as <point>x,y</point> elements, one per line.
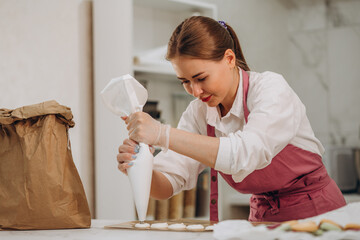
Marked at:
<point>277,118</point>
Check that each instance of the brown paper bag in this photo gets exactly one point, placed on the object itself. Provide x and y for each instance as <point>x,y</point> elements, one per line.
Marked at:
<point>40,187</point>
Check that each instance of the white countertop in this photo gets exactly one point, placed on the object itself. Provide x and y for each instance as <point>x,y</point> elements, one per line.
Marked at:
<point>98,232</point>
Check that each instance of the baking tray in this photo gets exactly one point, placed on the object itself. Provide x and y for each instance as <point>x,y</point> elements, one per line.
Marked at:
<point>131,225</point>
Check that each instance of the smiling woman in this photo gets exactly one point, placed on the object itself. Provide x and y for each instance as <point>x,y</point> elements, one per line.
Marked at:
<point>198,43</point>
<point>250,127</point>
<point>216,83</point>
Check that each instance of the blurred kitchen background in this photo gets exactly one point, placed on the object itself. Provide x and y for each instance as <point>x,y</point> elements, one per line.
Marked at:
<point>68,50</point>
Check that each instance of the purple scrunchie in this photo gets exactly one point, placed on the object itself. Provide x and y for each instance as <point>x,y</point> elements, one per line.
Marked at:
<point>223,24</point>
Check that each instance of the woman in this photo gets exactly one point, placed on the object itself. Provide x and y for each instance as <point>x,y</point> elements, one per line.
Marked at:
<point>250,127</point>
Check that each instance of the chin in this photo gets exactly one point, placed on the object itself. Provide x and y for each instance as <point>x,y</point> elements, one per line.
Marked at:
<point>212,104</point>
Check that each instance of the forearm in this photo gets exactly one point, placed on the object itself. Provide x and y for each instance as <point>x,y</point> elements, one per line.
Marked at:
<point>161,188</point>
<point>199,147</point>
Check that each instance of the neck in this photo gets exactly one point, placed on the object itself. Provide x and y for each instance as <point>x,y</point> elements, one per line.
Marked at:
<point>226,105</point>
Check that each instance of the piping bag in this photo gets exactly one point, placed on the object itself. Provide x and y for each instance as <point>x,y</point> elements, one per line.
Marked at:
<point>123,96</point>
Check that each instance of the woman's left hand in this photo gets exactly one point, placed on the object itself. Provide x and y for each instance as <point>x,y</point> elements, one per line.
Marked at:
<point>143,128</point>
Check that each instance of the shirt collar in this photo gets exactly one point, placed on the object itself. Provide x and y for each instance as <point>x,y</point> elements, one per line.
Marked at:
<point>213,113</point>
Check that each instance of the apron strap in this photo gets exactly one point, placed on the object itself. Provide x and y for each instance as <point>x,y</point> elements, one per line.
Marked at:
<point>213,184</point>
<point>245,78</point>
<point>214,216</point>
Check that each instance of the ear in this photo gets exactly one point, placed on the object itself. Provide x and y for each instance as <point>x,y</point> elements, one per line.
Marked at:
<point>230,58</point>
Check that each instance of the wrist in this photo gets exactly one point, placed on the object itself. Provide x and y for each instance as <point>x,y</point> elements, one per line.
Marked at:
<point>164,137</point>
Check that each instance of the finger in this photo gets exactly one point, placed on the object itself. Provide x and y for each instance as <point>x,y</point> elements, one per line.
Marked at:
<point>130,142</point>
<point>152,149</point>
<point>129,149</point>
<point>134,120</point>
<point>125,157</point>
<point>132,134</point>
<point>123,168</point>
<point>130,118</point>
<point>131,125</point>
<point>124,118</point>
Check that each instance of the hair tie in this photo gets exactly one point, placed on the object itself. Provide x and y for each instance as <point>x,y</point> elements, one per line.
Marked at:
<point>223,24</point>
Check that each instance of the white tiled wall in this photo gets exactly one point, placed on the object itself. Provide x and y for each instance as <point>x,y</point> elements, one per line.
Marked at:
<point>325,67</point>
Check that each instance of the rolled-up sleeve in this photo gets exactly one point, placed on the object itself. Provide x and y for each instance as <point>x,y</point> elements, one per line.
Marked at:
<point>274,119</point>
<point>182,171</point>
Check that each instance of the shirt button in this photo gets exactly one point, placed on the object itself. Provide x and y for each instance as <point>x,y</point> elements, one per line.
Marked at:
<point>213,201</point>
<point>213,178</point>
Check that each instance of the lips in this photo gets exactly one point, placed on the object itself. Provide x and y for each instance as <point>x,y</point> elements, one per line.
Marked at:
<point>206,99</point>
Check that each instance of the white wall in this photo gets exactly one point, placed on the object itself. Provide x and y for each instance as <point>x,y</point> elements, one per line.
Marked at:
<point>113,57</point>
<point>45,54</point>
<point>325,67</point>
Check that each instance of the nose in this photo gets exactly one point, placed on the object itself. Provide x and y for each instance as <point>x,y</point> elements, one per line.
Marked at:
<point>196,90</point>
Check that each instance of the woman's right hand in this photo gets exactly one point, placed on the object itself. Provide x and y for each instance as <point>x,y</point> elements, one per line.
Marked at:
<point>127,153</point>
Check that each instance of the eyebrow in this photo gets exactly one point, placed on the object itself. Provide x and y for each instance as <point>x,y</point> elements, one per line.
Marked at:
<point>181,78</point>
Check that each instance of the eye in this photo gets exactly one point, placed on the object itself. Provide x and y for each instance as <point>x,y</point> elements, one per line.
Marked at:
<point>184,82</point>
<point>201,79</point>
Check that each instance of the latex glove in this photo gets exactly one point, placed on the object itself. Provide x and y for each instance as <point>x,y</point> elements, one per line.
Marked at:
<point>143,128</point>
<point>127,152</point>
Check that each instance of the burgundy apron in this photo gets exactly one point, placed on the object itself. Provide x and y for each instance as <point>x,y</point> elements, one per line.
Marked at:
<point>294,185</point>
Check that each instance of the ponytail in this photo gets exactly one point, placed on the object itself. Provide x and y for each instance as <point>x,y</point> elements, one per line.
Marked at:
<point>240,59</point>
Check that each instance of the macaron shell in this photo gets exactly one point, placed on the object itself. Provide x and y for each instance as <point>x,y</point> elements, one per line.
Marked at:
<point>305,227</point>
<point>352,226</point>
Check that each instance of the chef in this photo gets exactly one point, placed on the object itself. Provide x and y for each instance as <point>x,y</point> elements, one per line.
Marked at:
<point>250,128</point>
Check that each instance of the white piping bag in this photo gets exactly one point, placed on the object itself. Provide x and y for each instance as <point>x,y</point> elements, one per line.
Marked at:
<point>123,96</point>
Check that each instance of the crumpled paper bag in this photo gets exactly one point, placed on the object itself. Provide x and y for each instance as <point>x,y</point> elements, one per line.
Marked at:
<point>40,187</point>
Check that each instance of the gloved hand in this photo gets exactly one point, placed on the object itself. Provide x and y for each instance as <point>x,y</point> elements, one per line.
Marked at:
<point>127,152</point>
<point>143,128</point>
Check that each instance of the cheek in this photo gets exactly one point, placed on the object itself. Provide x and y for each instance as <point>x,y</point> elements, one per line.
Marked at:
<point>187,89</point>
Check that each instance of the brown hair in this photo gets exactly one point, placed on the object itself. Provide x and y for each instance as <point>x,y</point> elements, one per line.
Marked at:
<point>205,38</point>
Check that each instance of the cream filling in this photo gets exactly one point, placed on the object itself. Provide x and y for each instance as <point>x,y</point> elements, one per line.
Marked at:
<point>195,227</point>
<point>210,227</point>
<point>142,225</point>
<point>177,226</point>
<point>159,225</point>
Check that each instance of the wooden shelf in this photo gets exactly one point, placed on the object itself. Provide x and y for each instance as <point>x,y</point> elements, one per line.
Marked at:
<point>150,61</point>
<point>204,8</point>
<point>155,69</point>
